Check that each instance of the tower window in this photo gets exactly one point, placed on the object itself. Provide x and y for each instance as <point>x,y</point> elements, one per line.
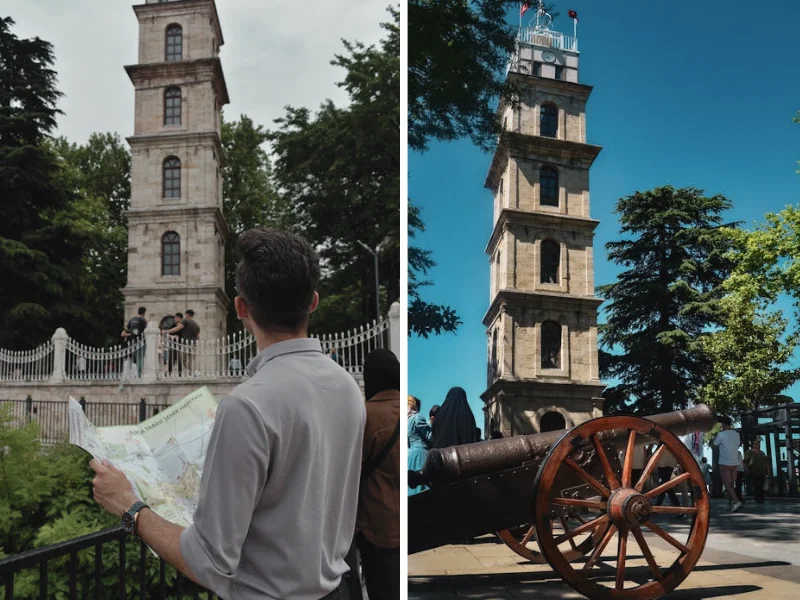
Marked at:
<point>493,363</point>
<point>170,254</point>
<point>559,72</point>
<point>550,259</point>
<point>174,48</point>
<point>172,178</point>
<point>537,69</point>
<point>551,345</point>
<point>548,121</point>
<point>172,106</point>
<point>552,421</point>
<point>548,184</point>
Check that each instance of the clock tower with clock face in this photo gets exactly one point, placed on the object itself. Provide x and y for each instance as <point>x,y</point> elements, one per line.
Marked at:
<point>542,319</point>
<point>176,228</point>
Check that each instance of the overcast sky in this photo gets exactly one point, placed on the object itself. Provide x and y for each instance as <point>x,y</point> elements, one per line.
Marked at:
<point>276,52</point>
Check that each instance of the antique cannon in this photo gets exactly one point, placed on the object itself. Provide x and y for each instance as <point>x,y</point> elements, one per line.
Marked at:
<point>561,497</point>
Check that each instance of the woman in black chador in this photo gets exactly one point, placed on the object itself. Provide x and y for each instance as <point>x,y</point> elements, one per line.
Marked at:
<point>455,423</point>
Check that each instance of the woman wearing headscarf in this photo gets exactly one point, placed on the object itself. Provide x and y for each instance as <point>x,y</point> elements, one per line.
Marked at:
<point>455,423</point>
<point>378,521</point>
<point>419,439</point>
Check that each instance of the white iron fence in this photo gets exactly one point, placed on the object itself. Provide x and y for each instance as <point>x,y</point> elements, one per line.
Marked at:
<point>157,356</point>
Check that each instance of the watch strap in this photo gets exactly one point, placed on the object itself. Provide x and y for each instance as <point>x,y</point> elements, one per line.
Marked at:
<point>132,514</point>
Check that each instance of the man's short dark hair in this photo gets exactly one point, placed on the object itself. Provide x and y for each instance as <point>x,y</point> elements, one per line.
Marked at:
<point>179,315</point>
<point>725,421</point>
<point>142,310</point>
<point>277,277</point>
<point>190,312</point>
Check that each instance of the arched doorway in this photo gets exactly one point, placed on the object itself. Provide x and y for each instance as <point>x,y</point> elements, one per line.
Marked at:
<point>552,421</point>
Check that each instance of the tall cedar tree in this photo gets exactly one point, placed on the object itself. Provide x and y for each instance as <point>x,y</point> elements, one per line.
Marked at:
<point>340,168</point>
<point>668,296</point>
<point>457,54</point>
<point>250,200</point>
<point>40,248</point>
<point>98,174</point>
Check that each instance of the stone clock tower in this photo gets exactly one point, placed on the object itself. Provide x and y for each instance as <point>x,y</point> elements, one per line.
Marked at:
<point>176,229</point>
<point>542,320</point>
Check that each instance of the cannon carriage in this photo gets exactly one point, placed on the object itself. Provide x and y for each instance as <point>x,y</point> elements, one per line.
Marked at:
<point>562,497</point>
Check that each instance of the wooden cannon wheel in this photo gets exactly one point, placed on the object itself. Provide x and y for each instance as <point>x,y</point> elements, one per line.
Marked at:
<point>623,509</point>
<point>523,539</point>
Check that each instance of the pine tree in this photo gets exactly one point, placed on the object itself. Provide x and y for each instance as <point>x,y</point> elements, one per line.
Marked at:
<point>665,300</point>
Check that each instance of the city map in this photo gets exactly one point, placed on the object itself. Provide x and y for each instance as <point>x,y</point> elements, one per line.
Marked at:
<point>162,456</point>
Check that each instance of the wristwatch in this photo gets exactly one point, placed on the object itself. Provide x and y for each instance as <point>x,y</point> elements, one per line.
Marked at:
<point>130,520</point>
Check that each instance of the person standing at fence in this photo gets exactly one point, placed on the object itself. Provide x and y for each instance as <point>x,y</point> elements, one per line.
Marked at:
<point>190,333</point>
<point>133,335</point>
<point>279,488</point>
<point>174,337</point>
<point>756,463</point>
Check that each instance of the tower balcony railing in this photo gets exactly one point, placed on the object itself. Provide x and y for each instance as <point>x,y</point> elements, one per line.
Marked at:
<point>538,36</point>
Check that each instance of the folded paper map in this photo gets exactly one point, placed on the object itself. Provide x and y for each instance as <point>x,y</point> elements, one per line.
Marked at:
<point>162,456</point>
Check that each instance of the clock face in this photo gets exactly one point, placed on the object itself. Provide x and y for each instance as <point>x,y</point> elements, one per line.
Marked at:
<point>548,56</point>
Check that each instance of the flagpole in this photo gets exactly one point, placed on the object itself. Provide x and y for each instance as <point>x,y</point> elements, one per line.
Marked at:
<point>575,28</point>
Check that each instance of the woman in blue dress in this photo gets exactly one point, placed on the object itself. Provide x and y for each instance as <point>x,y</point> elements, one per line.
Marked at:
<point>419,438</point>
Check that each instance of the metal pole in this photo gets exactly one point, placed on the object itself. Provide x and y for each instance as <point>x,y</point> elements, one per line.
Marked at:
<point>377,289</point>
<point>790,459</point>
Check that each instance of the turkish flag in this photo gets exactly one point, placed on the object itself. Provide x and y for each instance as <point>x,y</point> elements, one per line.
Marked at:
<point>573,15</point>
<point>522,9</point>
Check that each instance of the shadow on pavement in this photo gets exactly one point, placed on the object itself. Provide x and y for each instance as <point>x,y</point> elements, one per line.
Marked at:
<point>712,592</point>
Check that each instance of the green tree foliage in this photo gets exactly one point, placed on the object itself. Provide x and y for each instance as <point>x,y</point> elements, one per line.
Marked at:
<point>249,198</point>
<point>98,175</point>
<point>753,352</point>
<point>674,256</point>
<point>424,318</point>
<point>457,55</point>
<point>40,245</point>
<point>340,169</point>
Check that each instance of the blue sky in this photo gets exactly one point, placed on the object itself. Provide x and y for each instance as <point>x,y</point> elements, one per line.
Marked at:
<point>689,95</point>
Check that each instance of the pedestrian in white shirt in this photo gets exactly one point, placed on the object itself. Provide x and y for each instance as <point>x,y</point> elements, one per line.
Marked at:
<point>728,442</point>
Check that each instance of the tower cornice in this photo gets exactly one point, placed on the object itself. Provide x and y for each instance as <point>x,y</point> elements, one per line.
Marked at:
<point>178,7</point>
<point>542,386</point>
<point>538,300</point>
<point>511,143</point>
<point>210,69</point>
<point>516,216</point>
<point>178,212</point>
<point>169,138</point>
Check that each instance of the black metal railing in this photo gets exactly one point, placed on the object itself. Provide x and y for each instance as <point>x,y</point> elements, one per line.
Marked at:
<point>120,581</point>
<point>52,415</point>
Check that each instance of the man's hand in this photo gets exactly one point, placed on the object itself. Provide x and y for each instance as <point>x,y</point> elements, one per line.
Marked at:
<point>112,490</point>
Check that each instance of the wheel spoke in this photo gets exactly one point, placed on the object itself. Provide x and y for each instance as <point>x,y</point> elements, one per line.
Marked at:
<point>566,530</point>
<point>668,485</point>
<point>665,536</point>
<point>675,510</point>
<point>651,464</point>
<point>528,535</point>
<point>601,454</point>
<point>593,524</point>
<point>607,535</point>
<point>581,503</point>
<point>627,467</point>
<point>621,555</point>
<point>651,562</point>
<point>599,487</point>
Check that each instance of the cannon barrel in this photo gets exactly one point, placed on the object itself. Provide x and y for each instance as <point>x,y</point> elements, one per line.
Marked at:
<point>446,465</point>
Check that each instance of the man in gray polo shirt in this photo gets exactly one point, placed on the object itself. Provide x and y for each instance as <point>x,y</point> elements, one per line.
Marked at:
<point>279,489</point>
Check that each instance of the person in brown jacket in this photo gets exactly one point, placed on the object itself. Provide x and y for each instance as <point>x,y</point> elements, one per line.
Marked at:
<point>378,520</point>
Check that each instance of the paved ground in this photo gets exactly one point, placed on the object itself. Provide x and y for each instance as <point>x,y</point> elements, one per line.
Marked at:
<point>754,554</point>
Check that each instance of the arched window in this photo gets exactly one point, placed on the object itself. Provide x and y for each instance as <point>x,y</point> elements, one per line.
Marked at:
<point>550,259</point>
<point>548,121</point>
<point>548,185</point>
<point>170,253</point>
<point>172,106</point>
<point>552,421</point>
<point>551,345</point>
<point>174,46</point>
<point>172,178</point>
